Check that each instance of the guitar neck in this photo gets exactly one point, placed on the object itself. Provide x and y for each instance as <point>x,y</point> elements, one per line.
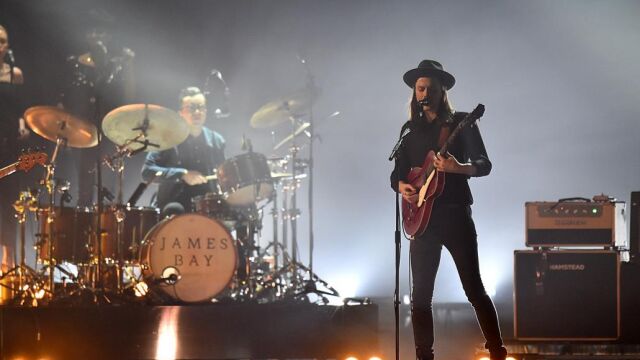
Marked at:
<point>8,170</point>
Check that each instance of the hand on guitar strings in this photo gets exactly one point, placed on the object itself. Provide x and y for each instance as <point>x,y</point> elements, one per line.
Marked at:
<point>408,191</point>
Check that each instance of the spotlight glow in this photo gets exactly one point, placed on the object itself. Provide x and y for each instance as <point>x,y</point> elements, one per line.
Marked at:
<point>490,279</point>
<point>167,345</point>
<point>351,358</point>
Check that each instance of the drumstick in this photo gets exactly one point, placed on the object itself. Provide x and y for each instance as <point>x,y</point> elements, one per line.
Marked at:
<point>211,177</point>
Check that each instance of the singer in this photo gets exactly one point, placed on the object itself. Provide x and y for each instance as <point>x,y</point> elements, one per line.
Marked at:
<point>432,117</point>
<point>181,170</point>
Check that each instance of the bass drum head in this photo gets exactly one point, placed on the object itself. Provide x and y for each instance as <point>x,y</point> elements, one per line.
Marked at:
<point>199,250</point>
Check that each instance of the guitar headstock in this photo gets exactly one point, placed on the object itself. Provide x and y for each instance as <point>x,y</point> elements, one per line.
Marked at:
<point>473,116</point>
<point>28,160</point>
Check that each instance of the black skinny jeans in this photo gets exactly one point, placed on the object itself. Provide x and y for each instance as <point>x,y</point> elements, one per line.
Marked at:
<point>453,227</point>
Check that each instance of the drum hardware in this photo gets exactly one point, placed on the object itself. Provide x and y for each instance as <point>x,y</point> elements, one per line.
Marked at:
<point>300,130</point>
<point>29,285</point>
<point>292,109</point>
<point>64,129</point>
<point>134,129</point>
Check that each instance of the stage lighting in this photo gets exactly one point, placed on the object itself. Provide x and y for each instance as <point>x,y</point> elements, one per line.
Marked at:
<point>351,358</point>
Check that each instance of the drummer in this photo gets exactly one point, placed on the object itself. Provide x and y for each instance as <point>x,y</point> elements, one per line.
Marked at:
<point>182,169</point>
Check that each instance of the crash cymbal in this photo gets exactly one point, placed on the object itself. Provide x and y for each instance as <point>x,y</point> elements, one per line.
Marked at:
<point>125,126</point>
<point>298,131</point>
<point>52,123</point>
<point>283,109</point>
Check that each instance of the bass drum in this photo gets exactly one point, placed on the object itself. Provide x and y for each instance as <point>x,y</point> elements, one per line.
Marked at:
<point>191,257</point>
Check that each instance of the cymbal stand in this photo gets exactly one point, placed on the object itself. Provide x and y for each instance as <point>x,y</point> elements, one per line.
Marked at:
<point>49,185</point>
<point>292,212</point>
<point>311,87</point>
<point>275,215</point>
<point>116,163</point>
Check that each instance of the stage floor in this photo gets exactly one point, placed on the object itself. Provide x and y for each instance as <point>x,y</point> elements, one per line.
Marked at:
<point>212,331</point>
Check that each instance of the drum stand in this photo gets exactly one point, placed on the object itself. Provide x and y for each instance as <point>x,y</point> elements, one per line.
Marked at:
<point>29,284</point>
<point>48,182</point>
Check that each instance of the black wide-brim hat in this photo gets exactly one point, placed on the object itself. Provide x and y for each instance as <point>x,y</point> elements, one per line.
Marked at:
<point>429,68</point>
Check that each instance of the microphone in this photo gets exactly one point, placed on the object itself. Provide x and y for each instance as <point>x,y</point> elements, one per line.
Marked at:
<point>10,59</point>
<point>394,152</point>
<point>170,275</point>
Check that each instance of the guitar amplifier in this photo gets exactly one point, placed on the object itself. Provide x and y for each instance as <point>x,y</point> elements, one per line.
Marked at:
<point>576,224</point>
<point>634,227</point>
<point>567,295</point>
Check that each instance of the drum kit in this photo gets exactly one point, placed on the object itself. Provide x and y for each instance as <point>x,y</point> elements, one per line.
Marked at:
<point>121,252</point>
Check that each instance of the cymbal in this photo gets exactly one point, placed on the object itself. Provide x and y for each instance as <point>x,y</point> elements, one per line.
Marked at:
<point>52,123</point>
<point>281,110</point>
<point>298,131</point>
<point>125,127</point>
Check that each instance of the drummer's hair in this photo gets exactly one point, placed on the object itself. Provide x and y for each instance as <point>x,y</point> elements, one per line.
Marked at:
<point>188,91</point>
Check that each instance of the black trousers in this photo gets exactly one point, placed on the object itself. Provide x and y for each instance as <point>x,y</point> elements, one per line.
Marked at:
<point>453,227</point>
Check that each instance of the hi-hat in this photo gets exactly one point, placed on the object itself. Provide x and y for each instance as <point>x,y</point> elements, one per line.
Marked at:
<point>283,109</point>
<point>53,123</point>
<point>135,125</point>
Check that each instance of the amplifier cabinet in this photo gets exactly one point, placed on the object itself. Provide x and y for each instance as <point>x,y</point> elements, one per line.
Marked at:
<point>575,224</point>
<point>567,295</point>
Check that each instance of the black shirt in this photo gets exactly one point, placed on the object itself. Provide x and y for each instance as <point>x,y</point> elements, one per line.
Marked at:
<point>467,147</point>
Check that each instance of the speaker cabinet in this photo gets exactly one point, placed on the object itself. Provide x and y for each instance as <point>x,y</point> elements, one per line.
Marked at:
<point>567,295</point>
<point>634,226</point>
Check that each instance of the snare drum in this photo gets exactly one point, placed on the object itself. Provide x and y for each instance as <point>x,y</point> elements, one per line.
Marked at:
<point>191,257</point>
<point>136,223</point>
<point>245,179</point>
<point>72,228</point>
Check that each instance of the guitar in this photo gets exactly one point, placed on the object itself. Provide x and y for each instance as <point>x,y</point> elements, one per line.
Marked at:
<point>25,163</point>
<point>416,215</point>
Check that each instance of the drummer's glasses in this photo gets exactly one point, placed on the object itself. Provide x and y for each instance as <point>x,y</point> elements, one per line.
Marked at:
<point>192,108</point>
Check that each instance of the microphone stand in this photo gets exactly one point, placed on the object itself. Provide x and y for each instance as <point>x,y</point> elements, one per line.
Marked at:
<point>397,237</point>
